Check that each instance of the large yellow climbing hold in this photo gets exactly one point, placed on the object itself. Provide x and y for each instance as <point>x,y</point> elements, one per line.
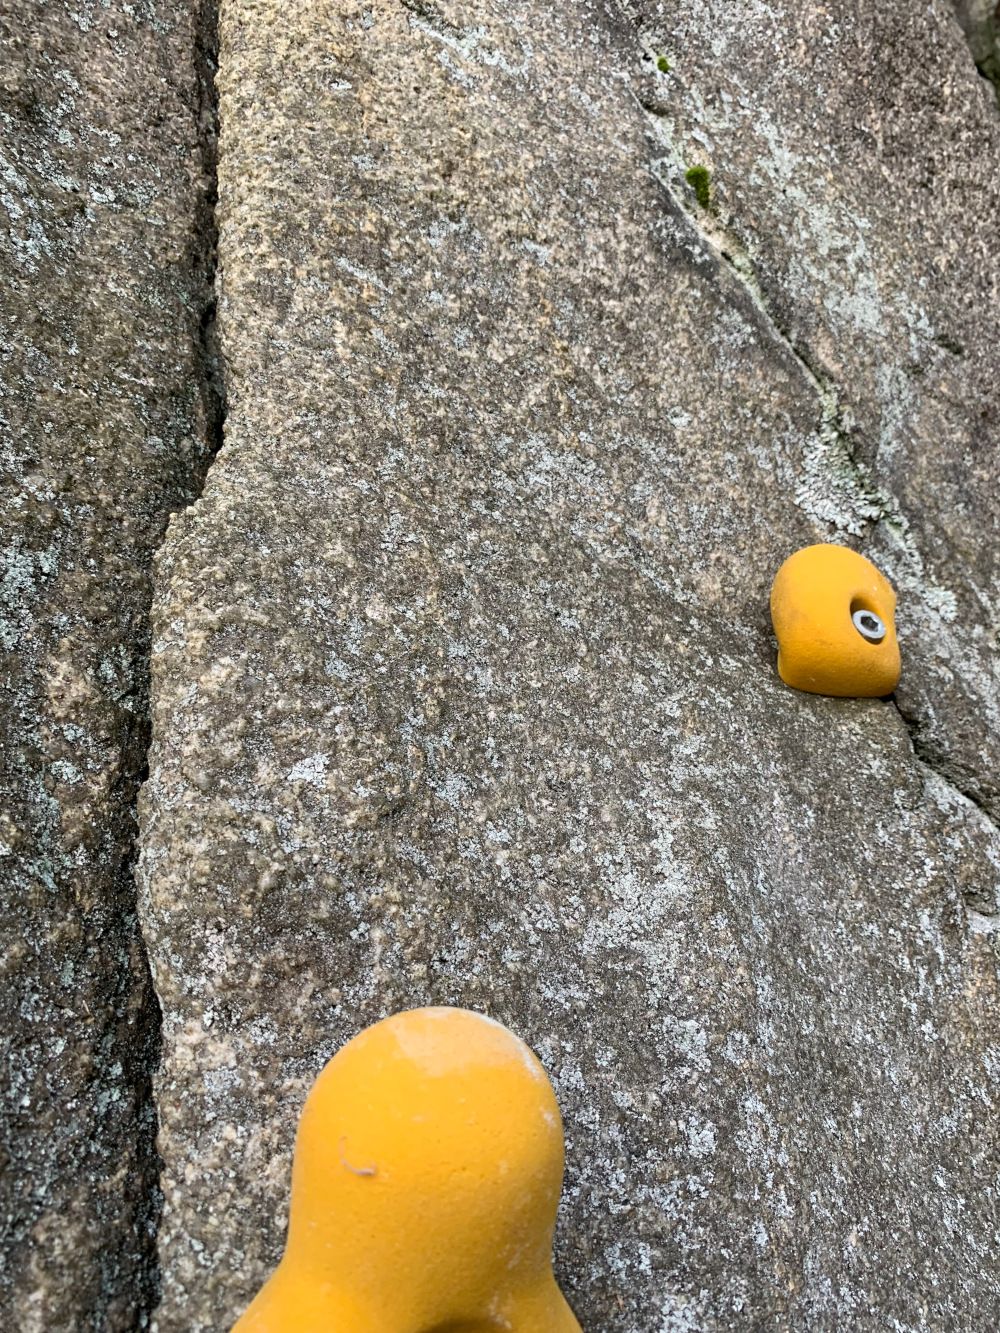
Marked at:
<point>833,616</point>
<point>426,1179</point>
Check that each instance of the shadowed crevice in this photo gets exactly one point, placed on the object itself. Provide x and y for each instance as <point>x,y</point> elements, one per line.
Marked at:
<point>211,383</point>
<point>211,394</point>
<point>931,758</point>
<point>980,22</point>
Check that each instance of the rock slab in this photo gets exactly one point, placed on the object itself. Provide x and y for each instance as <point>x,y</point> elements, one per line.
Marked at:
<point>105,424</point>
<point>548,334</point>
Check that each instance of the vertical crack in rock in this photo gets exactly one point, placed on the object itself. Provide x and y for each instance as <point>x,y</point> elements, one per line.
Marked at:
<point>212,385</point>
<point>110,412</point>
<point>211,390</point>
<point>203,261</point>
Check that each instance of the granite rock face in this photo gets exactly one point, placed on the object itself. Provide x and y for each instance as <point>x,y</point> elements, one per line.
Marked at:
<point>463,684</point>
<point>104,428</point>
<point>854,186</point>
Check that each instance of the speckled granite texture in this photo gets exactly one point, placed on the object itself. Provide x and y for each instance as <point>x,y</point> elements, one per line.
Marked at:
<point>548,331</point>
<point>105,420</point>
<point>464,688</point>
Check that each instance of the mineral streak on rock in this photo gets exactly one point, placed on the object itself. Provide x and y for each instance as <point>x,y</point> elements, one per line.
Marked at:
<point>464,691</point>
<point>853,156</point>
<point>103,425</point>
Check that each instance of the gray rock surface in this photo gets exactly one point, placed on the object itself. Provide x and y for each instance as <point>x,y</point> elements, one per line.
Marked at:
<point>104,259</point>
<point>464,690</point>
<point>853,168</point>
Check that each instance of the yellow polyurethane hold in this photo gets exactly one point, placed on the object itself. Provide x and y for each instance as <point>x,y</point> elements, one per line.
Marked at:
<point>816,594</point>
<point>427,1172</point>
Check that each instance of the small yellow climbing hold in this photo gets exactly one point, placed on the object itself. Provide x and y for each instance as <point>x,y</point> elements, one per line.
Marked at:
<point>427,1173</point>
<point>833,615</point>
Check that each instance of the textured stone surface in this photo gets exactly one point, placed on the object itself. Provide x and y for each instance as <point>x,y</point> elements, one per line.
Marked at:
<point>464,687</point>
<point>854,183</point>
<point>103,266</point>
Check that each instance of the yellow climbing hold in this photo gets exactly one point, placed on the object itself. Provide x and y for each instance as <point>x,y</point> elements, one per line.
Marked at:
<point>426,1179</point>
<point>833,615</point>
